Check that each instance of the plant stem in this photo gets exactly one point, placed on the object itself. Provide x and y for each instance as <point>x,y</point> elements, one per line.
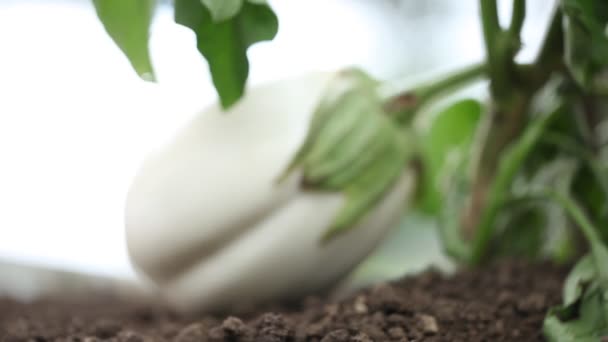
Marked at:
<point>507,113</point>
<point>517,17</point>
<point>405,104</point>
<point>554,41</point>
<point>500,47</point>
<point>499,128</point>
<point>510,162</point>
<point>548,60</point>
<point>490,25</point>
<point>451,81</point>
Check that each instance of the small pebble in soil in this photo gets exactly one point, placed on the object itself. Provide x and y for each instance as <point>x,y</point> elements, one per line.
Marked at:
<point>194,332</point>
<point>360,306</point>
<point>428,324</point>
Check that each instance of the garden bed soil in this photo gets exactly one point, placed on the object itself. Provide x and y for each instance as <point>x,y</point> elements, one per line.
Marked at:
<point>505,301</point>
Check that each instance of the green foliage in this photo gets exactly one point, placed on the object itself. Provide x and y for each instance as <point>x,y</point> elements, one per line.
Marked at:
<point>128,24</point>
<point>584,320</point>
<point>513,221</point>
<point>224,43</point>
<point>499,192</point>
<point>224,30</point>
<point>587,42</point>
<point>443,146</point>
<point>583,316</point>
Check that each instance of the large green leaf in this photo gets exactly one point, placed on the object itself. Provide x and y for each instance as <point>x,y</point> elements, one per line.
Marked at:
<point>448,137</point>
<point>128,24</point>
<point>224,44</point>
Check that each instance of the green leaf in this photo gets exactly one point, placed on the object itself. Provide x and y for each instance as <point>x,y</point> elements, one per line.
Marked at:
<point>584,314</point>
<point>128,24</point>
<point>448,137</point>
<point>581,274</point>
<point>589,326</point>
<point>585,319</point>
<point>224,44</point>
<point>223,9</point>
<point>586,42</point>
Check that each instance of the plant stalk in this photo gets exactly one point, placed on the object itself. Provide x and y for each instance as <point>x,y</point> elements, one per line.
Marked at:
<point>406,104</point>
<point>517,18</point>
<point>490,25</point>
<point>507,114</point>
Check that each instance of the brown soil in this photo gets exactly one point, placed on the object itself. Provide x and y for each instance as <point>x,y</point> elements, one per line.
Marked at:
<point>502,302</point>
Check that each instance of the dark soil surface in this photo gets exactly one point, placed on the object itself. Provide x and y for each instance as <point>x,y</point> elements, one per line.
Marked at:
<point>502,302</point>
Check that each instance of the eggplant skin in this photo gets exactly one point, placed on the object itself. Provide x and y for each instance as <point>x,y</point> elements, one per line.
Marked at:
<point>210,226</point>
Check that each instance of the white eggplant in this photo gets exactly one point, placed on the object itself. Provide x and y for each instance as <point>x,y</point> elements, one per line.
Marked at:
<point>208,221</point>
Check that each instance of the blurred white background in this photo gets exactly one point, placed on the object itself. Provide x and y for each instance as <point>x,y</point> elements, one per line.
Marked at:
<point>75,121</point>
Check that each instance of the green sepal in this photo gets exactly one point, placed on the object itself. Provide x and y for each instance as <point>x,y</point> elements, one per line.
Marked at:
<point>368,188</point>
<point>352,147</point>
